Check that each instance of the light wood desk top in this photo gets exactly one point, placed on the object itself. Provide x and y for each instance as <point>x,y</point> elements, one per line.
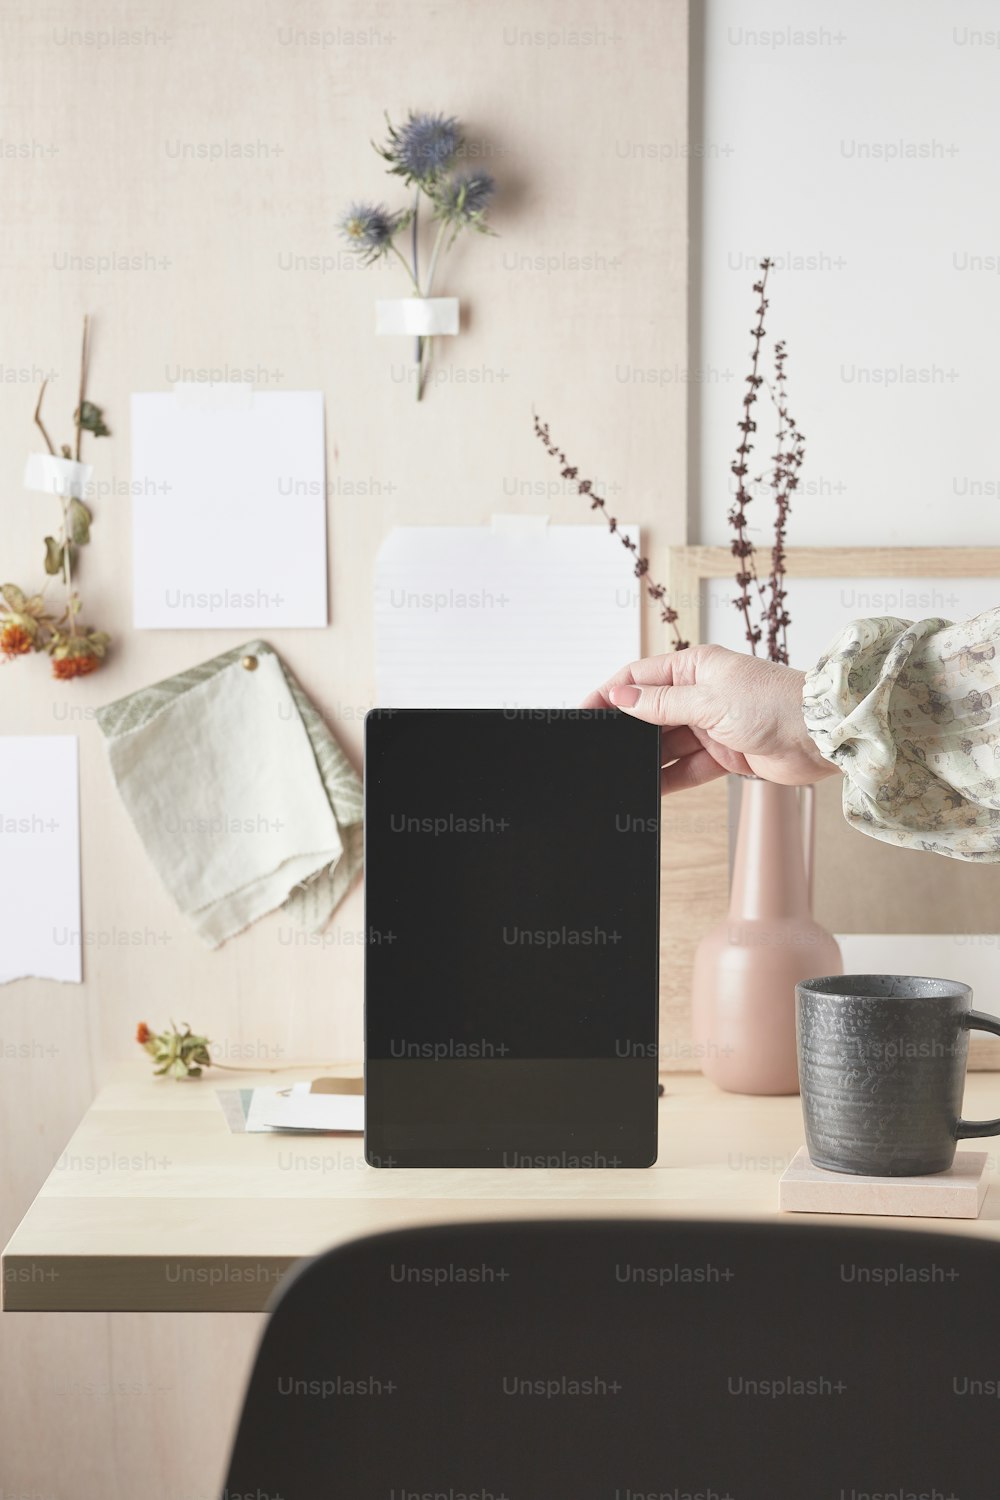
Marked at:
<point>156,1206</point>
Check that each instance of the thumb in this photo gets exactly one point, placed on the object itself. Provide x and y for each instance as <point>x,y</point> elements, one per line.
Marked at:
<point>661,704</point>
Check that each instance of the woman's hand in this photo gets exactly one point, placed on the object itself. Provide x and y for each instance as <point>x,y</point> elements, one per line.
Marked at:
<point>722,712</point>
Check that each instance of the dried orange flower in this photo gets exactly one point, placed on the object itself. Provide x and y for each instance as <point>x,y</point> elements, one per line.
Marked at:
<point>142,1033</point>
<point>15,640</point>
<point>65,667</point>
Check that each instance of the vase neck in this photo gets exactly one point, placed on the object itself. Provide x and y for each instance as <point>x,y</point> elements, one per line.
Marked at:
<point>769,871</point>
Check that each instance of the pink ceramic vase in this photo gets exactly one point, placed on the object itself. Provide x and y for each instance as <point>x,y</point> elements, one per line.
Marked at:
<point>746,968</point>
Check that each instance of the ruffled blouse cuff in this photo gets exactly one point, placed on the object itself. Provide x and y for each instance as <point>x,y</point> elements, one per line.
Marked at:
<point>906,711</point>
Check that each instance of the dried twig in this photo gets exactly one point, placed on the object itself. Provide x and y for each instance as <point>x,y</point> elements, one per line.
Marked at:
<point>786,461</point>
<point>38,420</point>
<point>742,546</point>
<point>83,386</point>
<point>640,567</point>
<point>788,458</point>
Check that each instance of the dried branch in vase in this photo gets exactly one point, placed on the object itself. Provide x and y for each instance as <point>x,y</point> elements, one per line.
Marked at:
<point>742,547</point>
<point>791,447</point>
<point>640,567</point>
<point>762,602</point>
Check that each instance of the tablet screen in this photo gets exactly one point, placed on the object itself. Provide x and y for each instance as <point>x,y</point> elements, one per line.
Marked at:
<point>512,937</point>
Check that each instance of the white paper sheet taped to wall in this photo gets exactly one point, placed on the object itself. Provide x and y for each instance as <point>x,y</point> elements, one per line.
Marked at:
<point>40,933</point>
<point>229,508</point>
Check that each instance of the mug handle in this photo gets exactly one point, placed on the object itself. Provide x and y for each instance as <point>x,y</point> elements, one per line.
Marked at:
<point>967,1130</point>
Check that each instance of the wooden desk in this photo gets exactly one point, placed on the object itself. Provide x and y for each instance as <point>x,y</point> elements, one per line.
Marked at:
<point>156,1206</point>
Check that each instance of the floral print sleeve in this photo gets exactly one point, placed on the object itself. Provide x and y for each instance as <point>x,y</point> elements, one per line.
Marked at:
<point>910,713</point>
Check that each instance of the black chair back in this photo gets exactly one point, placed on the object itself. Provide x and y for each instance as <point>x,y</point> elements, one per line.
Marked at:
<point>603,1360</point>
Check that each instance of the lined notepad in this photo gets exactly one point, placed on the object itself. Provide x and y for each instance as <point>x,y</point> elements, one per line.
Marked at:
<point>519,614</point>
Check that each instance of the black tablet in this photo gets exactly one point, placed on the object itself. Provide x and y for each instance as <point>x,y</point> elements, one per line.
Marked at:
<point>512,938</point>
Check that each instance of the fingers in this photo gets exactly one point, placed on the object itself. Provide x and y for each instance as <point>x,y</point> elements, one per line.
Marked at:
<point>597,699</point>
<point>692,770</point>
<point>677,742</point>
<point>601,697</point>
<point>674,667</point>
<point>661,705</point>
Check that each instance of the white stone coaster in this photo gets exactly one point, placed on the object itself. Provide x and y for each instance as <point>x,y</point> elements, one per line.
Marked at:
<point>955,1194</point>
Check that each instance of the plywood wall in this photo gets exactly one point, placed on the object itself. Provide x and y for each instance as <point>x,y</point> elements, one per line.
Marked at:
<point>124,196</point>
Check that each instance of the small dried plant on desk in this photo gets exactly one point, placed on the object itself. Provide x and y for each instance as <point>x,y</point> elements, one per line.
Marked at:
<point>179,1052</point>
<point>28,621</point>
<point>423,152</point>
<point>762,602</point>
<point>176,1053</point>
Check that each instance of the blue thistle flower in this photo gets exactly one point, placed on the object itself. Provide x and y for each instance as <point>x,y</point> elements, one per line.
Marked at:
<point>462,202</point>
<point>423,148</point>
<point>369,229</point>
<point>464,198</point>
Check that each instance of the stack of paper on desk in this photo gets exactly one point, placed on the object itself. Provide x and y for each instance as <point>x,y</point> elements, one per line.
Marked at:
<point>303,1107</point>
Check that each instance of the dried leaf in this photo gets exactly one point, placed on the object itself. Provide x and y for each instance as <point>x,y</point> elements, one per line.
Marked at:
<point>92,420</point>
<point>26,623</point>
<point>13,597</point>
<point>53,556</point>
<point>79,522</point>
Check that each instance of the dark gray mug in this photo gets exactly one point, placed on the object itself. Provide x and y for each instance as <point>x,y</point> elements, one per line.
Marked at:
<point>882,1071</point>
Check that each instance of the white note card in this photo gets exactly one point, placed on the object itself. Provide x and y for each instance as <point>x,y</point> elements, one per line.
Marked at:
<point>519,614</point>
<point>39,858</point>
<point>228,509</point>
